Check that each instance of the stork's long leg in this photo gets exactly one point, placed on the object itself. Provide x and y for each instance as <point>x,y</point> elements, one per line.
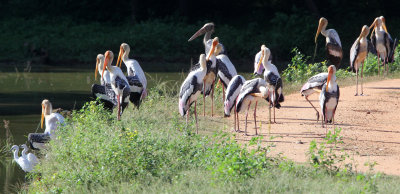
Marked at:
<point>238,125</point>
<point>234,119</point>
<point>204,99</point>
<point>119,107</point>
<point>313,107</point>
<point>356,83</point>
<point>212,99</point>
<point>362,69</point>
<point>275,98</point>
<point>255,115</point>
<point>195,115</point>
<point>247,111</point>
<point>223,93</point>
<point>379,66</point>
<point>269,107</point>
<point>187,117</point>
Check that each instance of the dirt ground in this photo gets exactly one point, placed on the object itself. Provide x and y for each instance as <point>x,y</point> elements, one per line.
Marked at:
<point>370,125</point>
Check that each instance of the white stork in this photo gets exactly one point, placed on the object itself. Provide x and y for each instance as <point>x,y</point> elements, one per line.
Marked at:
<point>52,120</point>
<point>191,89</point>
<point>329,97</point>
<point>232,93</point>
<point>21,161</point>
<point>207,30</point>
<point>136,77</point>
<point>314,84</point>
<point>333,44</point>
<point>383,42</point>
<point>119,83</point>
<point>358,53</point>
<point>104,91</point>
<point>273,79</point>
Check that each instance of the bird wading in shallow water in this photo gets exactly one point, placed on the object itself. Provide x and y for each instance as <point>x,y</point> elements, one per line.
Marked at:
<point>191,89</point>
<point>358,53</point>
<point>136,77</point>
<point>329,98</point>
<point>333,45</point>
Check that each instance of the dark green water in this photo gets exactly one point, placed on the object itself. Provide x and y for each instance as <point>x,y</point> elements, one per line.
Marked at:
<point>21,95</point>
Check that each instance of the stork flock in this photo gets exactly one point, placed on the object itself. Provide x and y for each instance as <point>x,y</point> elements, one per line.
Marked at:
<point>116,89</point>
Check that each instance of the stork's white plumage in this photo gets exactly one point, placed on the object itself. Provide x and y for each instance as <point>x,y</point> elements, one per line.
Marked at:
<point>191,89</point>
<point>232,93</point>
<point>358,53</point>
<point>333,44</point>
<point>21,161</point>
<point>104,91</point>
<point>30,157</point>
<point>273,80</point>
<point>211,76</point>
<point>226,70</point>
<point>329,97</point>
<point>259,69</point>
<point>99,68</point>
<point>252,91</point>
<point>383,42</point>
<point>119,83</point>
<point>136,77</point>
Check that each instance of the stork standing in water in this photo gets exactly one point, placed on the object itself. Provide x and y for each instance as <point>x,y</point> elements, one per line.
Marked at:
<point>329,97</point>
<point>119,83</point>
<point>207,30</point>
<point>21,161</point>
<point>30,157</point>
<point>251,92</point>
<point>314,84</point>
<point>52,120</point>
<point>210,77</point>
<point>191,89</point>
<point>136,77</point>
<point>103,91</point>
<point>232,93</point>
<point>333,44</point>
<point>358,53</point>
<point>273,80</point>
<point>383,42</point>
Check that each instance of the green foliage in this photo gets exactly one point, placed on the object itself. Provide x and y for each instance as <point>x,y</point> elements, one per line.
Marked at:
<point>299,70</point>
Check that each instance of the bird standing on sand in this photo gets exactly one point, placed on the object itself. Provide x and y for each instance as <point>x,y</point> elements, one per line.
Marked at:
<point>358,53</point>
<point>314,84</point>
<point>232,93</point>
<point>329,97</point>
<point>333,45</point>
<point>191,89</point>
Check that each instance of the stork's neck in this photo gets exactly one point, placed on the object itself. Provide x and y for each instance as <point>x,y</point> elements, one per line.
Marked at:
<point>100,68</point>
<point>23,153</point>
<point>324,31</point>
<point>48,110</point>
<point>207,37</point>
<point>266,63</point>
<point>125,56</point>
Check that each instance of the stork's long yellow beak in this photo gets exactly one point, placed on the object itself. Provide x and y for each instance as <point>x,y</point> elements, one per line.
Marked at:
<point>260,61</point>
<point>97,68</point>
<point>105,64</point>
<point>384,27</point>
<point>318,31</point>
<point>214,45</point>
<point>42,119</point>
<point>119,60</point>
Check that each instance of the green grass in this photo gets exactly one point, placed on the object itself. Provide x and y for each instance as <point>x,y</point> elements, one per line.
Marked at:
<point>152,151</point>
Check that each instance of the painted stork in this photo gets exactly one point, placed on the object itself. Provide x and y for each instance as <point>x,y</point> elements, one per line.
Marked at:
<point>329,97</point>
<point>259,69</point>
<point>383,42</point>
<point>226,70</point>
<point>211,76</point>
<point>207,30</point>
<point>251,92</point>
<point>104,91</point>
<point>136,77</point>
<point>119,83</point>
<point>232,93</point>
<point>191,89</point>
<point>53,122</point>
<point>333,44</point>
<point>21,161</point>
<point>314,84</point>
<point>358,53</point>
<point>30,157</point>
<point>273,80</point>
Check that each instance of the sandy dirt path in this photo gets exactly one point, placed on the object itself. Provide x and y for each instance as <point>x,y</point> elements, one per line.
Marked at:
<point>370,125</point>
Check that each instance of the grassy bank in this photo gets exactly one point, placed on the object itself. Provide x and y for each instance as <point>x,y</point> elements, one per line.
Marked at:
<point>151,151</point>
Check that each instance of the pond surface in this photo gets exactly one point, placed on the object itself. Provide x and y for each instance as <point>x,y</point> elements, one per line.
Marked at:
<point>21,95</point>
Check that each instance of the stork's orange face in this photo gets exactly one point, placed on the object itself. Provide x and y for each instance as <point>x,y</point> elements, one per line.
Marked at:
<point>215,42</point>
<point>330,73</point>
<point>107,57</point>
